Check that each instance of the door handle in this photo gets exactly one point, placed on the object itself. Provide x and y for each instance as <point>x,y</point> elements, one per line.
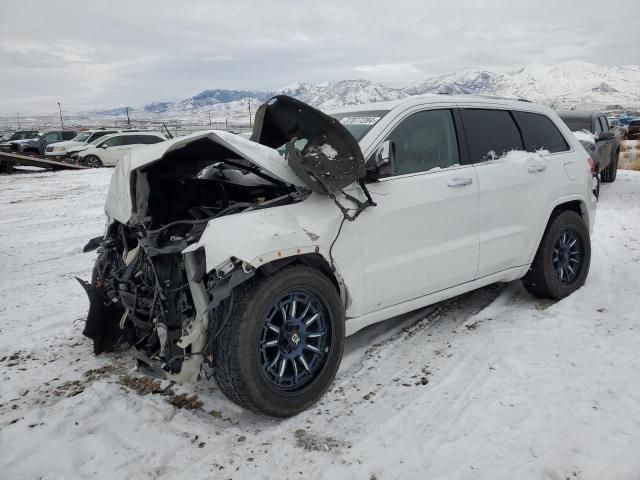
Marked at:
<point>459,182</point>
<point>537,167</point>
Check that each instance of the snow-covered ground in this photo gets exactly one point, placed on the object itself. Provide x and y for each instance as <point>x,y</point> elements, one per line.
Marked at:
<point>494,384</point>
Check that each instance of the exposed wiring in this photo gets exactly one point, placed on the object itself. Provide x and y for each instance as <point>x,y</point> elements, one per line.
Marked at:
<point>333,267</point>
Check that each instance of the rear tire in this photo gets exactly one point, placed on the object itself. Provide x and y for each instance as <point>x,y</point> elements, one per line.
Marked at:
<point>610,173</point>
<point>249,352</point>
<point>92,161</point>
<point>561,264</point>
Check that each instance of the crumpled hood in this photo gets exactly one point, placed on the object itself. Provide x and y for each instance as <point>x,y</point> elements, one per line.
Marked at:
<point>329,160</point>
<point>119,204</point>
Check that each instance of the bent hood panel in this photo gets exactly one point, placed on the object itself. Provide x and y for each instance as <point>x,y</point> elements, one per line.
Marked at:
<point>119,203</point>
<point>330,158</point>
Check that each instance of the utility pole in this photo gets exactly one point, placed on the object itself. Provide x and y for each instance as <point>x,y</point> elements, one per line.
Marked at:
<point>209,118</point>
<point>61,122</point>
<point>226,123</point>
<point>250,126</point>
<point>128,121</point>
<point>19,126</point>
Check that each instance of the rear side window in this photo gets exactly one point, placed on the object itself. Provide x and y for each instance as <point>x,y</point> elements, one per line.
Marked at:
<point>604,124</point>
<point>68,135</point>
<point>540,133</point>
<point>141,139</point>
<point>598,125</point>
<point>150,139</point>
<point>490,133</point>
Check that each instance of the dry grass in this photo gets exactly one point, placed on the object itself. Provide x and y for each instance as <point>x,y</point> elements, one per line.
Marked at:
<point>629,155</point>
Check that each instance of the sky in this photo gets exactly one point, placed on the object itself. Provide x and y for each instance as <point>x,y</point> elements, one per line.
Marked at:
<point>101,54</point>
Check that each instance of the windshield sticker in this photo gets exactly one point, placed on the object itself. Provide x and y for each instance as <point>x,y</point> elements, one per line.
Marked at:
<point>359,120</point>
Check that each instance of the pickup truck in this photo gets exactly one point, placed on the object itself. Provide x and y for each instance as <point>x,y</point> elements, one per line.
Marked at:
<point>605,148</point>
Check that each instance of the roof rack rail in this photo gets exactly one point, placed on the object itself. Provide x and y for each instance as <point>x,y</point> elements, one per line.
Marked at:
<point>498,97</point>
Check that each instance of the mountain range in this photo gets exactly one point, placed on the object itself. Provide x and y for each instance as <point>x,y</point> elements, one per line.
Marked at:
<point>567,84</point>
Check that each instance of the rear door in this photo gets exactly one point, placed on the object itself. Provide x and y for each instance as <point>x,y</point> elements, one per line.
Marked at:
<point>422,236</point>
<point>512,189</point>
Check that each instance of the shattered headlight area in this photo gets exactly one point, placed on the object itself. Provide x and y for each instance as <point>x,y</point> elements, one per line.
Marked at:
<point>147,295</point>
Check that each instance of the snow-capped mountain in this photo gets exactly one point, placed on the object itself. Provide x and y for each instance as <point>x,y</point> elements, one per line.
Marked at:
<point>344,92</point>
<point>564,84</point>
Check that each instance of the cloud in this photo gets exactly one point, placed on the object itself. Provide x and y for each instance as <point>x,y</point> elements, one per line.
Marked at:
<point>107,53</point>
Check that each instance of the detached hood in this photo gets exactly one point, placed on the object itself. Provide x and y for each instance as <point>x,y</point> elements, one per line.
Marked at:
<point>320,154</point>
<point>319,149</point>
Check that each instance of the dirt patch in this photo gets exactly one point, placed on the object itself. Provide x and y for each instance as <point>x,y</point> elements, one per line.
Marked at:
<point>319,443</point>
<point>102,372</point>
<point>146,385</point>
<point>15,358</point>
<point>70,388</point>
<point>188,402</point>
<point>141,385</point>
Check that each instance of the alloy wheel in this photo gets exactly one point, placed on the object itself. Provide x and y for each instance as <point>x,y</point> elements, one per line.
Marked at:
<point>294,341</point>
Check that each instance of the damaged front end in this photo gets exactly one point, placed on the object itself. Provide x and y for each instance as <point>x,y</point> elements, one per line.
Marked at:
<point>152,288</point>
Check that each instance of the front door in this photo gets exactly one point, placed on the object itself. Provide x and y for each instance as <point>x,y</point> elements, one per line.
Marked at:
<point>422,236</point>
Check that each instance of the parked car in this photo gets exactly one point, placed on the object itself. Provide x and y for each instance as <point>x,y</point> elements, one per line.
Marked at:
<point>109,150</point>
<point>605,149</point>
<point>78,143</point>
<point>39,143</point>
<point>224,257</point>
<point>16,136</point>
<point>634,130</point>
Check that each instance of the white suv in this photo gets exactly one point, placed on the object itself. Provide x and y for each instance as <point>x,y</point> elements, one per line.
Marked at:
<point>77,143</point>
<point>110,149</point>
<point>224,258</point>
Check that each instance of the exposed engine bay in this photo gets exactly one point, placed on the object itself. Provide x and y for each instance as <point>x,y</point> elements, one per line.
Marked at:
<point>140,272</point>
<point>145,291</point>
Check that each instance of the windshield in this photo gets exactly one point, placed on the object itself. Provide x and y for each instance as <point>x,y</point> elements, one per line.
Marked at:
<point>359,123</point>
<point>578,123</point>
<point>81,137</point>
<point>97,139</point>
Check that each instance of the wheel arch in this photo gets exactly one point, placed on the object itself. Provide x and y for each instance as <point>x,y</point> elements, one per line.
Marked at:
<point>575,204</point>
<point>312,260</point>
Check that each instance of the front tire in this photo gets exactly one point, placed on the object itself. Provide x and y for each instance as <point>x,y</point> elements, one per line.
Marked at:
<point>281,347</point>
<point>561,264</point>
<point>92,161</point>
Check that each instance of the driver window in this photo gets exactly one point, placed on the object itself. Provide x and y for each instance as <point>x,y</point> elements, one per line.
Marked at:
<point>424,141</point>
<point>51,137</point>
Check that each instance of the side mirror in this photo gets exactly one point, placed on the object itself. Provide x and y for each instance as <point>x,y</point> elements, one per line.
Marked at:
<point>382,162</point>
<point>104,145</point>
<point>602,136</point>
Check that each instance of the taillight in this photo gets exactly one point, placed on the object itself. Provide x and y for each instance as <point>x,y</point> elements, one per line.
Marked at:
<point>592,165</point>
